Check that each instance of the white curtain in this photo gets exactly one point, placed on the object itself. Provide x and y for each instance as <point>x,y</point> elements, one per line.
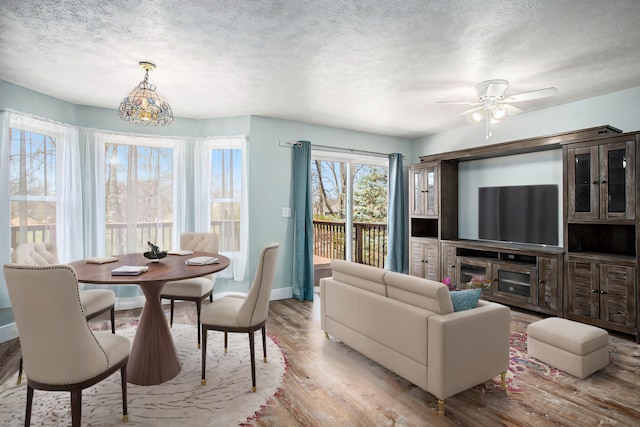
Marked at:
<point>237,253</point>
<point>5,214</point>
<point>93,207</point>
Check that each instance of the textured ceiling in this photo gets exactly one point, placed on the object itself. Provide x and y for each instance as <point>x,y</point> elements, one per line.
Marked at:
<point>375,66</point>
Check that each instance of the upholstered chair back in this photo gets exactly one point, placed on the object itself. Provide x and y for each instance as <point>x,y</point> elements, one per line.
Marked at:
<point>202,242</point>
<point>36,254</point>
<point>57,345</point>
<point>255,307</point>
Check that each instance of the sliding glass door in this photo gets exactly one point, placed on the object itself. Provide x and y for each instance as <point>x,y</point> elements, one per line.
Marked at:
<point>350,198</point>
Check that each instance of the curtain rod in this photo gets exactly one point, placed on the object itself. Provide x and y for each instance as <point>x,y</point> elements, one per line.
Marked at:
<point>339,149</point>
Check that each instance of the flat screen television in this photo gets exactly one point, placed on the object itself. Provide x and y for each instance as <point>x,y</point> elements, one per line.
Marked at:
<point>521,214</point>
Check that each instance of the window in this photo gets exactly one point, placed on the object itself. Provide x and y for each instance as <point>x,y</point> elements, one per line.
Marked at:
<point>32,186</point>
<point>139,197</point>
<point>350,201</point>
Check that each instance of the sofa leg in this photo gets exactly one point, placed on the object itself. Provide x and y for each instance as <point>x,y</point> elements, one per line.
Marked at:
<point>441,406</point>
<point>503,381</point>
<point>326,335</point>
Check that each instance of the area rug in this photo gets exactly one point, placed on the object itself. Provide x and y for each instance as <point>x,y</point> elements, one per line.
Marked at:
<point>521,364</point>
<point>226,400</point>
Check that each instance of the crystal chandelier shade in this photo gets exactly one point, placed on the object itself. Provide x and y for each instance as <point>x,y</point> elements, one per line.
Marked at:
<point>143,104</point>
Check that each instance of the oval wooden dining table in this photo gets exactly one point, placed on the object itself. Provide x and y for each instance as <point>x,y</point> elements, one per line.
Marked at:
<point>153,358</point>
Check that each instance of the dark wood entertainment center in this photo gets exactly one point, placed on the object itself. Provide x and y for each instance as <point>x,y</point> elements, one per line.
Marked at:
<point>592,278</point>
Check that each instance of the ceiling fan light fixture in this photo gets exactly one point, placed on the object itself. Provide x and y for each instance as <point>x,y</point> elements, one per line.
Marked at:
<point>498,113</point>
<point>476,116</point>
<point>143,105</point>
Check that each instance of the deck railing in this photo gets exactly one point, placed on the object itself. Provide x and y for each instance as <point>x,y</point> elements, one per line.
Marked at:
<point>159,233</point>
<point>369,241</point>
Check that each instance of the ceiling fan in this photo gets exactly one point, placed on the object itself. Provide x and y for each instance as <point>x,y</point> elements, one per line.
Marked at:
<point>493,106</point>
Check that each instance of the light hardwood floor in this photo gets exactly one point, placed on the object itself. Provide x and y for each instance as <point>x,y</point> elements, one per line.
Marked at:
<point>328,384</point>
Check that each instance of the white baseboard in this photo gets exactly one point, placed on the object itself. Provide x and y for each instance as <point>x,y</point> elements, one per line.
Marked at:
<point>281,293</point>
<point>8,332</point>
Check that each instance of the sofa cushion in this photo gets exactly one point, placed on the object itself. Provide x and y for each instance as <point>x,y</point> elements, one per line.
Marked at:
<point>362,276</point>
<point>466,299</point>
<point>391,323</point>
<point>423,293</point>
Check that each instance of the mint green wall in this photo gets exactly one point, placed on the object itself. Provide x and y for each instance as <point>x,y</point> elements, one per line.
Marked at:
<point>269,174</point>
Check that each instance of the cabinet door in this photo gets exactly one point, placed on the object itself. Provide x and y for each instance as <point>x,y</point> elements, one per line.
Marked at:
<point>548,283</point>
<point>617,295</point>
<point>467,268</point>
<point>583,183</point>
<point>449,262</point>
<point>424,194</point>
<point>617,190</point>
<point>417,192</point>
<point>424,259</point>
<point>583,291</point>
<point>431,195</point>
<point>515,281</point>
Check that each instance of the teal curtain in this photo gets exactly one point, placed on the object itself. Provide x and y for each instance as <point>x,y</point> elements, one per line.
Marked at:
<point>397,254</point>
<point>303,222</point>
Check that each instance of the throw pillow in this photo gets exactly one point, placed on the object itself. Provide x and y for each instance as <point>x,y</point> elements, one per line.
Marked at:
<point>466,299</point>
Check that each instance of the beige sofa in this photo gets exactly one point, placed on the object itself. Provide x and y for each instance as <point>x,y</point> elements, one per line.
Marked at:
<point>408,325</point>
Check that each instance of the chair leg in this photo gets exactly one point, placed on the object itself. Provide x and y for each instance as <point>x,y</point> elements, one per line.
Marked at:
<point>211,297</point>
<point>27,416</point>
<point>226,341</point>
<point>76,408</point>
<point>253,362</point>
<point>198,309</point>
<point>203,381</point>
<point>19,372</point>
<point>171,322</point>
<point>113,320</point>
<point>264,343</point>
<point>123,380</point>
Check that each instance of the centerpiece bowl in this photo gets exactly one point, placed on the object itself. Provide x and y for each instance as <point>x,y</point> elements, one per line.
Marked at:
<point>155,256</point>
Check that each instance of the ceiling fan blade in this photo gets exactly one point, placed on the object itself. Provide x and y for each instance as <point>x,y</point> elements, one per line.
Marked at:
<point>534,94</point>
<point>512,110</point>
<point>460,102</point>
<point>471,111</point>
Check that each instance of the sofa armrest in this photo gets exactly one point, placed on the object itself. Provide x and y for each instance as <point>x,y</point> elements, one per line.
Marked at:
<point>467,348</point>
<point>323,300</point>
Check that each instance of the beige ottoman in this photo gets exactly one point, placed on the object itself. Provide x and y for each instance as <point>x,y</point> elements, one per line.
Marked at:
<point>576,348</point>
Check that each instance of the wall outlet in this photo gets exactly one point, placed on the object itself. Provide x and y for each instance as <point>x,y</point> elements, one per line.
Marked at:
<point>286,212</point>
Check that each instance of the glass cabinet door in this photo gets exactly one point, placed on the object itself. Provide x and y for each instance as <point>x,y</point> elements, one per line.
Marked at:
<point>617,197</point>
<point>583,182</point>
<point>468,268</point>
<point>417,193</point>
<point>431,194</point>
<point>424,195</point>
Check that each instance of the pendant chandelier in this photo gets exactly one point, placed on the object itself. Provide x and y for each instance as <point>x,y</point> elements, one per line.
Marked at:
<point>143,105</point>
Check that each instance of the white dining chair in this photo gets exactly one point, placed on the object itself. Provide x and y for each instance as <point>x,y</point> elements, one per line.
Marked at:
<point>60,351</point>
<point>94,302</point>
<point>244,314</point>
<point>196,289</point>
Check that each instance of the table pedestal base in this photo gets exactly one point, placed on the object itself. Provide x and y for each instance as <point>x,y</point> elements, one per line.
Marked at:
<point>153,358</point>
